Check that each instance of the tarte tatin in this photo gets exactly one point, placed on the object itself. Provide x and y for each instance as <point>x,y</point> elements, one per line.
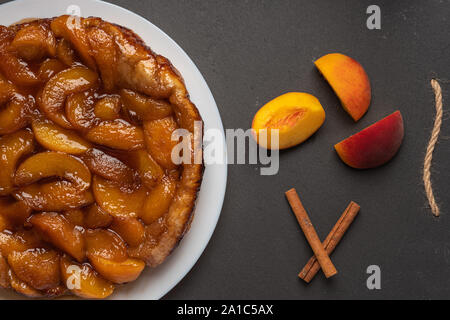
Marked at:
<point>89,193</point>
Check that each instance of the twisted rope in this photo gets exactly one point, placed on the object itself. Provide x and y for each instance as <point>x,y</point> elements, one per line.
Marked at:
<point>431,144</point>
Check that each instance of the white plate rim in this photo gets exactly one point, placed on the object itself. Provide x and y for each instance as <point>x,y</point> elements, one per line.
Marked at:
<point>211,196</point>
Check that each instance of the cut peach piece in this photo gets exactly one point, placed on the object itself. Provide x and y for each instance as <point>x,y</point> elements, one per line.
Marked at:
<point>83,281</point>
<point>143,107</point>
<point>55,229</point>
<point>39,268</point>
<point>117,134</point>
<point>118,201</point>
<point>12,148</point>
<point>96,217</point>
<point>65,52</point>
<point>149,171</point>
<point>17,70</point>
<point>22,287</point>
<point>105,55</point>
<point>75,217</point>
<point>53,137</point>
<point>72,80</point>
<point>54,196</point>
<point>49,68</point>
<point>158,201</point>
<point>73,32</point>
<point>118,272</point>
<point>105,244</point>
<point>108,166</point>
<point>18,242</point>
<point>158,139</point>
<point>348,80</point>
<point>130,229</point>
<point>34,41</point>
<point>375,145</point>
<point>4,273</point>
<point>15,114</point>
<point>14,212</point>
<point>80,110</point>
<point>53,164</point>
<point>296,116</point>
<point>108,107</point>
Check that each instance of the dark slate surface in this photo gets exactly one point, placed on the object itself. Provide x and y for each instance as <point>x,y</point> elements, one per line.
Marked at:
<point>251,51</point>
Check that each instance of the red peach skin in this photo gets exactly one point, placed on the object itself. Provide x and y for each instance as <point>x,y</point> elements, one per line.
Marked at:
<point>348,80</point>
<point>375,145</point>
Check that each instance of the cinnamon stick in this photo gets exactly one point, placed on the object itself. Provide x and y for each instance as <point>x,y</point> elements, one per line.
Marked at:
<point>310,233</point>
<point>332,240</point>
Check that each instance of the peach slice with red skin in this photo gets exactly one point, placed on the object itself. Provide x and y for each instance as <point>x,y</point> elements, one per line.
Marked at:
<point>373,146</point>
<point>68,81</point>
<point>12,148</point>
<point>92,285</point>
<point>56,138</point>
<point>53,164</point>
<point>117,201</point>
<point>55,229</point>
<point>349,81</point>
<point>296,116</point>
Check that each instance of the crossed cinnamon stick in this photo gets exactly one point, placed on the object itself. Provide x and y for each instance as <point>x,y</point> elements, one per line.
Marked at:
<point>321,250</point>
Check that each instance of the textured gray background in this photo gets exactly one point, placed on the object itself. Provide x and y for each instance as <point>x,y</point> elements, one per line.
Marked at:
<point>250,51</point>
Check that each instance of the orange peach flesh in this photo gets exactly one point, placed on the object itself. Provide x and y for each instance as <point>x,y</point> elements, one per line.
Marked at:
<point>348,80</point>
<point>295,115</point>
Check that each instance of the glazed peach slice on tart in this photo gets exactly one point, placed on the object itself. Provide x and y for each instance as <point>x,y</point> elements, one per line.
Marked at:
<point>12,148</point>
<point>296,116</point>
<point>55,91</point>
<point>55,138</point>
<point>57,230</point>
<point>17,107</point>
<point>373,146</point>
<point>349,81</point>
<point>90,286</point>
<point>59,195</point>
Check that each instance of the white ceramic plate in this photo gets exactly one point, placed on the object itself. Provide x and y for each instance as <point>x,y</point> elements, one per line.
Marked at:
<point>153,284</point>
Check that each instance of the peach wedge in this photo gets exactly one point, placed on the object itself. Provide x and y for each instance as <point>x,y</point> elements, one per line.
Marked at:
<point>348,80</point>
<point>296,115</point>
<point>375,145</point>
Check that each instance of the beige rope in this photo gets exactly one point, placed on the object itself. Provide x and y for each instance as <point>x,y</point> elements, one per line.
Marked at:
<point>433,140</point>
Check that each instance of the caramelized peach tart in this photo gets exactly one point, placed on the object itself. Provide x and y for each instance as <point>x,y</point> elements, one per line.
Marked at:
<point>89,193</point>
